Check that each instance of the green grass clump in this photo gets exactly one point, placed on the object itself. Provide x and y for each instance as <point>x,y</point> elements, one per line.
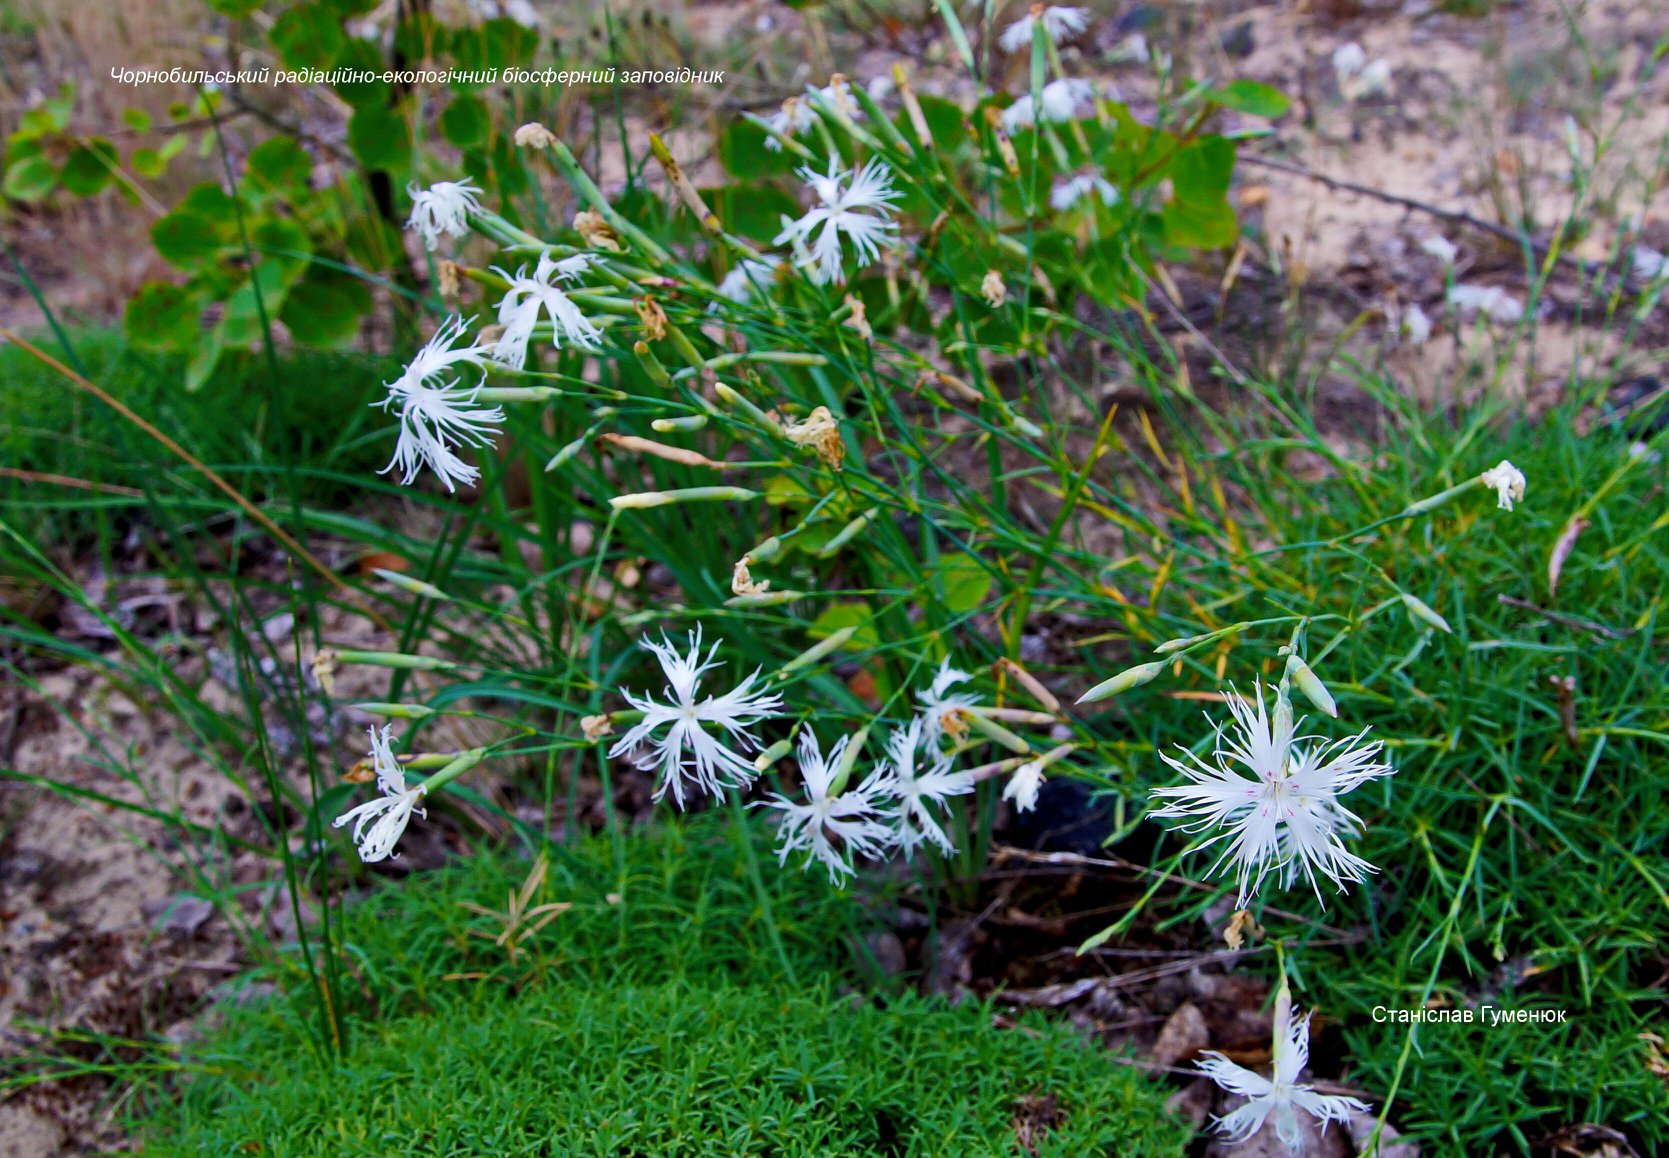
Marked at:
<point>677,1008</point>
<point>675,1070</point>
<point>308,423</point>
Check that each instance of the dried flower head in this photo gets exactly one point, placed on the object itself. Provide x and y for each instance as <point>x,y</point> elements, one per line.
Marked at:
<point>1507,481</point>
<point>595,231</point>
<point>447,281</point>
<point>742,581</point>
<point>820,430</point>
<point>533,135</point>
<point>649,312</point>
<point>324,670</point>
<point>859,318</point>
<point>993,290</point>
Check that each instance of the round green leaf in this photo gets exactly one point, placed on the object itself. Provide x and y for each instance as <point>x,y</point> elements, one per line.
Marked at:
<point>162,317</point>
<point>742,152</point>
<point>30,179</point>
<point>963,580</point>
<point>90,168</point>
<point>188,240</point>
<point>281,166</point>
<point>837,616</point>
<point>148,163</point>
<point>1253,99</point>
<point>379,138</point>
<point>465,122</point>
<point>307,36</point>
<point>325,310</point>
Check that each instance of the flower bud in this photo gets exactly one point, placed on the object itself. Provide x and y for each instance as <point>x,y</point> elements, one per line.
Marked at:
<point>1130,677</point>
<point>1314,690</point>
<point>397,711</point>
<point>1422,611</point>
<point>645,499</point>
<point>818,650</point>
<point>415,586</point>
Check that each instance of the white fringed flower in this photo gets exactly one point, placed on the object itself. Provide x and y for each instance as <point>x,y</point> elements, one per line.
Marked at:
<point>689,751</point>
<point>1024,784</point>
<point>519,312</point>
<point>794,117</point>
<point>836,95</point>
<point>1491,301</point>
<point>1647,265</point>
<point>921,794</point>
<point>1062,101</point>
<point>378,824</point>
<point>1132,48</point>
<point>841,213</point>
<point>436,414</point>
<point>1058,24</point>
<point>750,277</point>
<point>938,700</point>
<point>1507,481</point>
<point>1068,193</point>
<point>1285,816</point>
<point>1412,325</point>
<point>1019,116</point>
<point>442,208</point>
<point>855,817</point>
<point>1357,78</point>
<point>1441,248</point>
<point>1280,1094</point>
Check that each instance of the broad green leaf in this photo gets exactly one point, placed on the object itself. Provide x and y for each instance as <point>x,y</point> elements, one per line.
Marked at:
<point>1201,225</point>
<point>189,240</point>
<point>281,241</point>
<point>1252,98</point>
<point>307,36</point>
<point>162,317</point>
<point>752,211</point>
<point>380,139</point>
<point>148,163</point>
<point>90,168</point>
<point>204,357</point>
<point>241,325</point>
<point>466,122</point>
<point>964,581</point>
<point>281,166</point>
<point>137,119</point>
<point>30,179</point>
<point>742,152</point>
<point>837,616</point>
<point>945,121</point>
<point>1200,173</point>
<point>210,201</point>
<point>325,308</point>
